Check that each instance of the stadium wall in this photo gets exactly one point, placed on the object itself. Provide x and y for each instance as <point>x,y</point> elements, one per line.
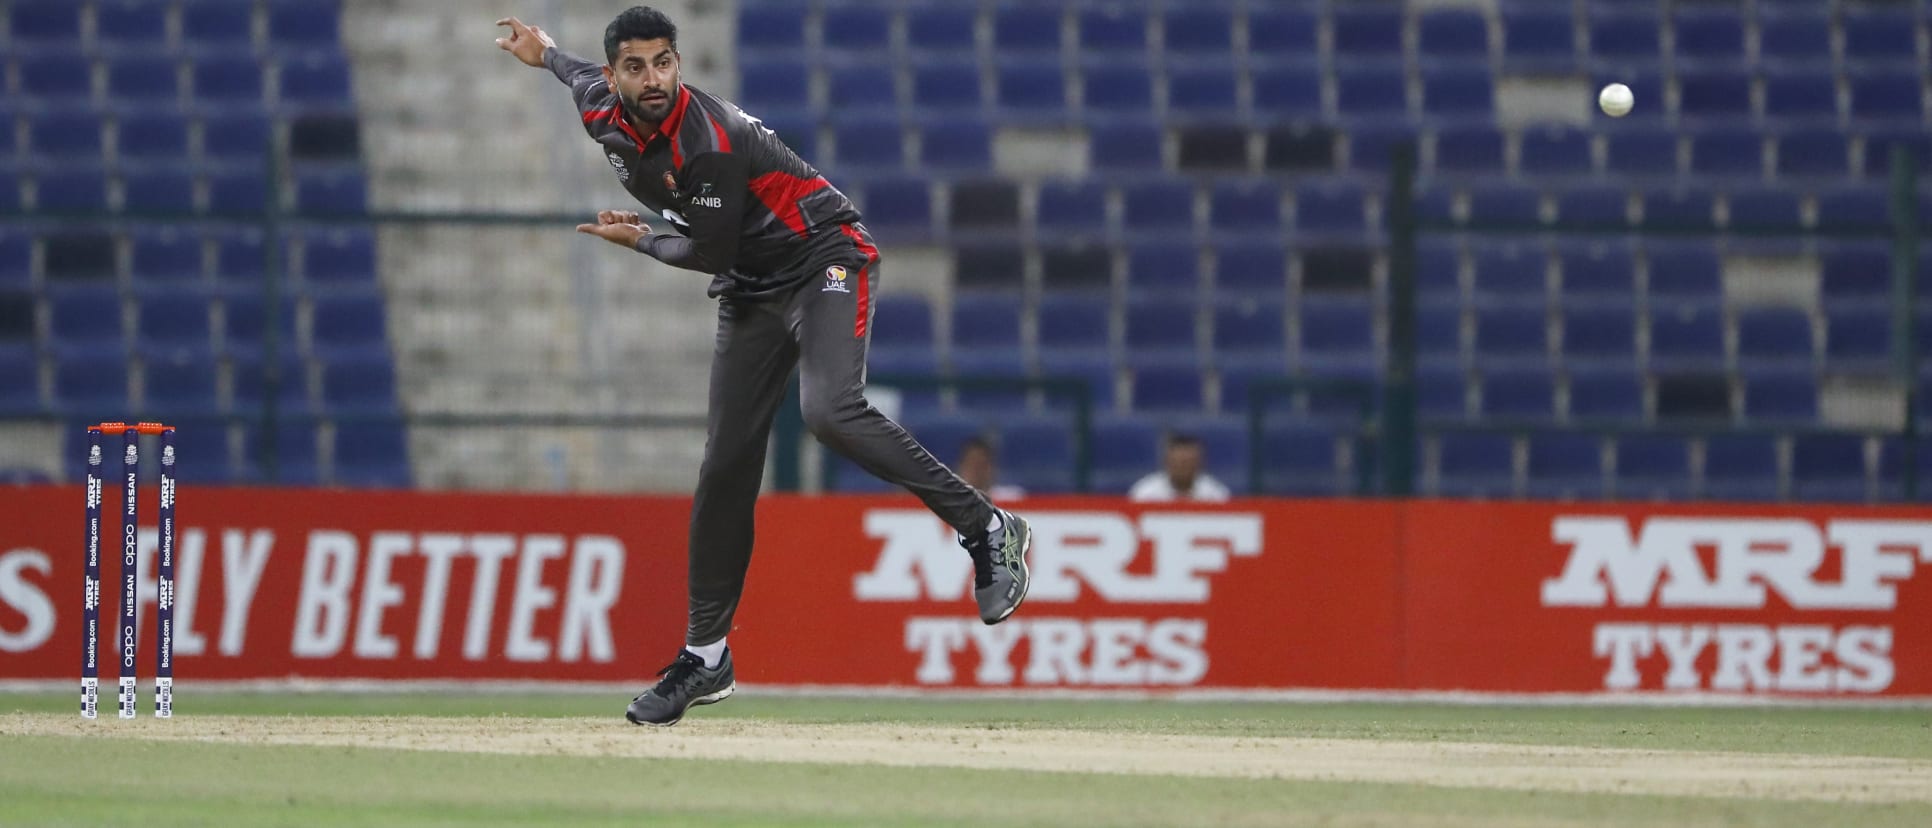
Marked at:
<point>871,592</point>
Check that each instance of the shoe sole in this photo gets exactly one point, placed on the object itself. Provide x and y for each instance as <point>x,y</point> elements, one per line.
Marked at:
<point>1026,579</point>
<point>708,698</point>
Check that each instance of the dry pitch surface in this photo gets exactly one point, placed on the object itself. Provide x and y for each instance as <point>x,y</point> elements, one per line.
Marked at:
<point>1566,769</point>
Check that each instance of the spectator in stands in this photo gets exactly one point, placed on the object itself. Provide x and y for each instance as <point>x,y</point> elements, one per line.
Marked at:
<point>1180,477</point>
<point>979,467</point>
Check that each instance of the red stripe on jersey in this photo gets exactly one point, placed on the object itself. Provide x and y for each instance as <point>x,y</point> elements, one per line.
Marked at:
<point>780,193</point>
<point>871,255</point>
<point>592,115</point>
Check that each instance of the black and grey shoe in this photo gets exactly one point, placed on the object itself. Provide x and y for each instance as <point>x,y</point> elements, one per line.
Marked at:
<point>1000,577</point>
<point>686,683</point>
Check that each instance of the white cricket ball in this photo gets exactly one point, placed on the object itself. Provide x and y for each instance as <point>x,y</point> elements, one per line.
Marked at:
<point>1616,100</point>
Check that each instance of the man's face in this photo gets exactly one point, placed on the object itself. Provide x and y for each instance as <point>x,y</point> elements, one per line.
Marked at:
<point>976,468</point>
<point>645,75</point>
<point>1183,464</point>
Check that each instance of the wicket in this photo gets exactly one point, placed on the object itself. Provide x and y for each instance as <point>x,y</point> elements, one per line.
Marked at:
<point>130,573</point>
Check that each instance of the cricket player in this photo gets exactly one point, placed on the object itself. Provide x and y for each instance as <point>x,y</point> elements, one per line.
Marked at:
<point>793,271</point>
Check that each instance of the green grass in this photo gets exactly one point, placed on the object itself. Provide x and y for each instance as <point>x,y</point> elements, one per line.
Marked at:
<point>87,781</point>
<point>1904,733</point>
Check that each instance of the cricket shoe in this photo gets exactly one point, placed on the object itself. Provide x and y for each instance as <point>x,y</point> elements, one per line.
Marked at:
<point>686,683</point>
<point>1000,577</point>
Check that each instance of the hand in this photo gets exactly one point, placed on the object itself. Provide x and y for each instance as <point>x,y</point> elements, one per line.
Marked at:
<point>619,227</point>
<point>525,42</point>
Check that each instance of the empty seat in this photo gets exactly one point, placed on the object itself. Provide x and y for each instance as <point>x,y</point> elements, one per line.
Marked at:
<point>241,193</point>
<point>69,135</point>
<point>224,79</point>
<point>1457,33</point>
<point>331,192</point>
<point>1565,466</point>
<point>91,384</point>
<point>901,320</point>
<point>1686,337</point>
<point>1553,150</point>
<point>1251,268</point>
<point>86,318</point>
<point>1156,325</point>
<point>317,80</point>
<point>338,257</point>
<point>1072,205</point>
<point>1475,464</point>
<point>1510,273</point>
<point>1512,332</point>
<point>940,28</point>
<point>1597,270</point>
<point>1037,452</point>
<point>1028,87</point>
<point>173,387</point>
<point>1642,151</point>
<point>1253,206</point>
<point>287,455</point>
<point>1855,273</point>
<point>1764,208</point>
<point>178,323</point>
<point>1714,93</point>
<point>246,324</point>
<point>1829,467</point>
<point>1077,265</point>
<point>1538,37</point>
<point>57,78</point>
<point>1684,209</point>
<point>1287,90</point>
<point>142,80</point>
<point>1092,371</point>
<point>155,136</point>
<point>1795,34</point>
<point>861,85</point>
<point>361,386</point>
<point>1371,90</point>
<point>1727,151</point>
<point>1708,34</point>
<point>1624,37</point>
<point>1124,449</point>
<point>1074,321</point>
<point>1027,28</point>
<point>866,143</point>
<point>1652,467</point>
<point>1127,148</point>
<point>769,85</point>
<point>1301,458</point>
<point>71,190</point>
<point>1613,395</point>
<point>1469,149</point>
<point>1855,207</point>
<point>1167,387</point>
<point>983,321</point>
<point>1774,334</point>
<point>1201,89</point>
<point>769,28</point>
<point>1880,34</point>
<point>1517,396</point>
<point>238,137</point>
<point>1367,30</point>
<point>1800,94</point>
<point>898,204</point>
<point>1781,398</point>
<point>1881,95</point>
<point>351,324</point>
<point>1249,326</point>
<point>1337,332</point>
<point>941,84</point>
<point>1282,31</point>
<point>45,23</point>
<point>855,27</point>
<point>1858,340</point>
<point>371,454</point>
<point>217,24</point>
<point>1600,333</point>
<point>254,383</point>
<point>1330,207</point>
<point>1124,87</point>
<point>304,24</point>
<point>1684,272</point>
<point>1741,467</point>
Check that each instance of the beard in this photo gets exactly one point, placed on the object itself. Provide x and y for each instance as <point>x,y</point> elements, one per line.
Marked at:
<point>653,112</point>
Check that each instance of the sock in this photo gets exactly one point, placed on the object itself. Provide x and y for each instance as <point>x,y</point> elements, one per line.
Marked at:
<point>711,653</point>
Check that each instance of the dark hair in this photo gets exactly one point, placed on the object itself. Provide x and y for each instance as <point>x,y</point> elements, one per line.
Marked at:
<point>1182,439</point>
<point>976,442</point>
<point>638,23</point>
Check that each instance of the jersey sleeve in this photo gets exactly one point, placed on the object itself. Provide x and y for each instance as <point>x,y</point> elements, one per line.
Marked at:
<point>586,81</point>
<point>713,191</point>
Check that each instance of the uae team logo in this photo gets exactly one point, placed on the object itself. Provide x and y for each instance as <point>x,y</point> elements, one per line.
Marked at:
<point>835,280</point>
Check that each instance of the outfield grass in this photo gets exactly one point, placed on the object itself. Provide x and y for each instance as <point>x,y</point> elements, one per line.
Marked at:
<point>87,780</point>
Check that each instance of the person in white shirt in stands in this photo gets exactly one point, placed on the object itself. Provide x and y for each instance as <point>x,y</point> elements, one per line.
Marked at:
<point>1180,477</point>
<point>979,467</point>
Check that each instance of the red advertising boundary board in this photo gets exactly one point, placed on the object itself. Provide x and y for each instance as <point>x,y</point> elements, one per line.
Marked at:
<point>874,591</point>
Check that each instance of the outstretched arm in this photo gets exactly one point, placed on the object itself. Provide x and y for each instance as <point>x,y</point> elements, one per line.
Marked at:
<point>533,46</point>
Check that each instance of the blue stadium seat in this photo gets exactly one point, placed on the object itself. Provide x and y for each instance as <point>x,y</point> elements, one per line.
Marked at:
<point>1797,34</point>
<point>1519,395</point>
<point>68,135</point>
<point>1167,387</point>
<point>1158,326</point>
<point>1371,146</point>
<point>986,321</point>
<point>1028,87</point>
<point>1027,28</point>
<point>1205,29</point>
<point>1125,448</point>
<point>1886,95</point>
<point>1880,34</point>
<point>1164,268</point>
<point>1459,92</point>
<point>179,386</point>
<point>153,136</point>
<point>1452,33</point>
<point>349,325</point>
<point>331,192</point>
<point>1800,94</point>
<point>1248,325</point>
<point>1613,395</point>
<point>57,79</point>
<point>175,323</point>
<point>955,144</point>
<point>322,79</point>
<point>1741,467</point>
<point>1565,466</point>
<point>1765,208</point>
<point>774,85</point>
<point>240,256</point>
<point>1714,35</point>
<point>1073,322</point>
<point>1512,333</point>
<point>1652,467</point>
<point>1118,87</point>
<point>217,24</point>
<point>1072,205</point>
<point>1241,373</point>
<point>142,80</point>
<point>1685,337</point>
<point>1476,149</point>
<point>251,383</point>
<point>1438,333</point>
<point>1036,452</point>
<point>91,384</point>
<point>1441,393</point>
<point>239,137</point>
<point>86,318</point>
<point>1510,273</point>
<point>1880,144</point>
<point>1714,93</point>
<point>1538,37</point>
<point>1112,31</point>
<point>1334,206</point>
<point>72,189</point>
<point>1301,459</point>
<point>1158,204</point>
<point>371,454</point>
<point>73,256</point>
<point>1251,206</point>
<point>1209,89</point>
<point>1625,37</point>
<point>1774,335</point>
<point>18,308</point>
<point>1092,369</point>
<point>1336,333</point>
<point>1475,465</point>
<point>1282,32</point>
<point>1642,151</point>
<point>1727,151</point>
<point>45,22</point>
<point>16,258</point>
<point>1687,272</point>
<point>1865,207</point>
<point>304,24</point>
<point>1829,467</point>
<point>1781,397</point>
<point>1367,30</point>
<point>1600,333</point>
<point>1127,148</point>
<point>1680,209</point>
<point>1555,150</point>
<point>898,204</point>
<point>295,455</point>
<point>856,28</point>
<point>360,386</point>
<point>1855,273</point>
<point>990,363</point>
<point>772,28</point>
<point>946,84</point>
<point>1593,206</point>
<point>1371,90</point>
<point>1509,204</point>
<point>226,79</point>
<point>339,257</point>
<point>932,29</point>
<point>901,320</point>
<point>1858,340</point>
<point>798,133</point>
<point>245,324</point>
<point>869,143</point>
<point>241,193</point>
<point>1287,90</point>
<point>1438,274</point>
